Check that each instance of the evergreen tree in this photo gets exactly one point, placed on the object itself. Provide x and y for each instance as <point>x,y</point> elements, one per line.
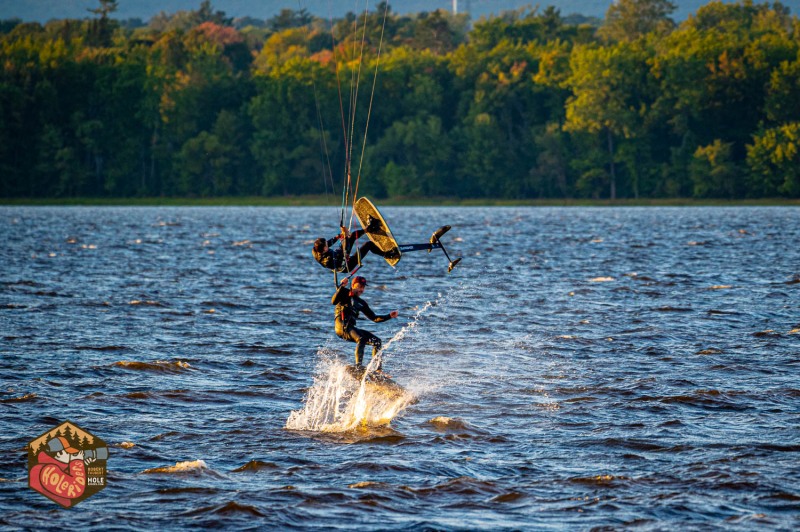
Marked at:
<point>102,28</point>
<point>628,20</point>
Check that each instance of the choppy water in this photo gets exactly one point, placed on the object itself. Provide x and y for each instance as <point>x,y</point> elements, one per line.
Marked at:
<point>582,368</point>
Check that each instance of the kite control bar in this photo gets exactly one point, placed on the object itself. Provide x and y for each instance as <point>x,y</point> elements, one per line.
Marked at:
<point>346,278</point>
<point>435,243</point>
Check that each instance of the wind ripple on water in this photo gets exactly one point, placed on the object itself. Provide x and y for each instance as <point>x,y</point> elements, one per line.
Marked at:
<point>581,368</point>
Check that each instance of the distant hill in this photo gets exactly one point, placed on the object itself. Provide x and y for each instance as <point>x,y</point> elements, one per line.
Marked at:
<point>44,10</point>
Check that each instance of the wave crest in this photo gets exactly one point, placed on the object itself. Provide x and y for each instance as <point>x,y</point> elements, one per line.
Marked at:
<point>173,366</point>
<point>179,467</point>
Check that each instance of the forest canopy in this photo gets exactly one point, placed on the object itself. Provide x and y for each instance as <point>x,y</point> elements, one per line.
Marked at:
<point>524,105</point>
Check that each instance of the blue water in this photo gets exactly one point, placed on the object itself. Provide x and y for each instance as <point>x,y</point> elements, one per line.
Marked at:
<point>581,368</point>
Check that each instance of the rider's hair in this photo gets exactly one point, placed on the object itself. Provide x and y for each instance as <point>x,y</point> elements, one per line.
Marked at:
<point>319,245</point>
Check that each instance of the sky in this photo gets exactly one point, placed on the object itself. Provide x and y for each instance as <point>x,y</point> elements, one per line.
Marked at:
<point>44,10</point>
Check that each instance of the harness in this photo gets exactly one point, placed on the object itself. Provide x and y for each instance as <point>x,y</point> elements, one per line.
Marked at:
<point>348,322</point>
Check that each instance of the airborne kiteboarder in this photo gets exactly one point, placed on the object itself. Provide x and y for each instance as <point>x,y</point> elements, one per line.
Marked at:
<point>381,242</point>
<point>339,259</point>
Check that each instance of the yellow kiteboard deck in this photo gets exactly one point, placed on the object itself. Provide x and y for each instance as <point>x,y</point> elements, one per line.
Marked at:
<point>382,235</point>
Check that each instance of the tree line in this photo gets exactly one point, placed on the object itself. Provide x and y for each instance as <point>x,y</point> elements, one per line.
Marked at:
<point>527,104</point>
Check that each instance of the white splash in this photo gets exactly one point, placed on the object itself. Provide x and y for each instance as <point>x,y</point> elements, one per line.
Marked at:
<point>410,328</point>
<point>337,402</point>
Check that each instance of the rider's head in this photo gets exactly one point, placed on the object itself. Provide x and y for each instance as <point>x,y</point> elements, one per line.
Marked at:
<point>320,244</point>
<point>358,284</point>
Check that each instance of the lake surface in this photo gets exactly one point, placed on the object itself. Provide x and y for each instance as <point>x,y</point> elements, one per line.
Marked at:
<point>581,368</point>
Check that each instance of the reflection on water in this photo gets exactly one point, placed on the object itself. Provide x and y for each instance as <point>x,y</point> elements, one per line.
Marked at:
<point>582,367</point>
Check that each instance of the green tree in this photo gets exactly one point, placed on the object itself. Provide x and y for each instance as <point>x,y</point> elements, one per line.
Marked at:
<point>206,13</point>
<point>590,167</point>
<point>612,93</point>
<point>231,130</point>
<point>194,90</point>
<point>774,162</point>
<point>13,140</point>
<point>551,177</point>
<point>715,173</point>
<point>56,170</point>
<point>523,27</point>
<point>628,20</point>
<point>717,74</point>
<point>127,119</point>
<point>409,83</point>
<point>501,92</point>
<point>411,158</point>
<point>203,162</point>
<point>288,18</point>
<point>101,29</point>
<point>285,136</point>
<point>782,103</point>
<point>485,167</point>
<point>675,181</point>
<point>280,48</point>
<point>92,142</point>
<point>433,31</point>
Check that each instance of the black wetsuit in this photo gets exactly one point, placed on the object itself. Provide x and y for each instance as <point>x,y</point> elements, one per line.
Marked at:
<point>334,259</point>
<point>348,307</point>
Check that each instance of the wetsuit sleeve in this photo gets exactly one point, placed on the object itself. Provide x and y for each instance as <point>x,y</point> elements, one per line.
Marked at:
<point>351,239</point>
<point>332,241</point>
<point>364,308</point>
<point>340,295</point>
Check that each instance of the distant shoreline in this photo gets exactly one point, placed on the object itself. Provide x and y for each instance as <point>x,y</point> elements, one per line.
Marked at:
<point>331,201</point>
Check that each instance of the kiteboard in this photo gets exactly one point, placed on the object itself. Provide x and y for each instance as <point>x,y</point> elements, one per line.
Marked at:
<point>377,230</point>
<point>376,380</point>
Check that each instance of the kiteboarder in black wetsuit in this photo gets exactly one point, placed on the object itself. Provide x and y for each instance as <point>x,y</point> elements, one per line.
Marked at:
<point>348,306</point>
<point>339,260</point>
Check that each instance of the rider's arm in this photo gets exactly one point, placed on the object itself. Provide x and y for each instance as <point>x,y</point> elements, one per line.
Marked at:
<point>340,295</point>
<point>364,308</point>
